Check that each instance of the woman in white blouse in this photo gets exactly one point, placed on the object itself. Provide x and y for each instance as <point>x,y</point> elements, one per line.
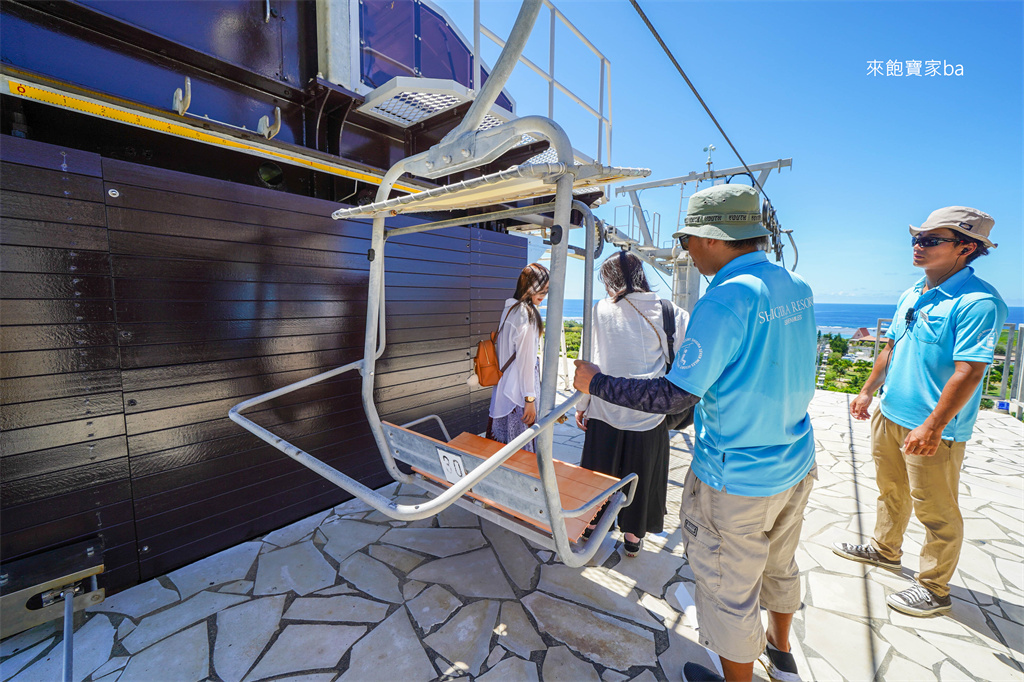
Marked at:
<point>514,399</point>
<point>630,341</point>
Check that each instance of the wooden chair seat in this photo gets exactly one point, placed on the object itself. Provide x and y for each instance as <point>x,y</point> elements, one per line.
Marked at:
<point>576,485</point>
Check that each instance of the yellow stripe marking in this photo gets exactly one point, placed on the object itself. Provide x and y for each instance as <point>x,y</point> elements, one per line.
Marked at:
<point>31,92</point>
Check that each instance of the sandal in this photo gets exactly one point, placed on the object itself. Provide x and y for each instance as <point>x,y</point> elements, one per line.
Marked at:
<point>633,548</point>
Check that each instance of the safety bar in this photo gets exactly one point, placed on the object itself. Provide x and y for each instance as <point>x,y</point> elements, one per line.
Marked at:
<point>440,423</point>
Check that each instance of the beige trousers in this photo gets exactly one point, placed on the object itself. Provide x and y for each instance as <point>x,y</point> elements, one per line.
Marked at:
<point>929,486</point>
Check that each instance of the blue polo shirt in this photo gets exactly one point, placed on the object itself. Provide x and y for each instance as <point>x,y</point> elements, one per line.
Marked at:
<point>959,320</point>
<point>749,353</point>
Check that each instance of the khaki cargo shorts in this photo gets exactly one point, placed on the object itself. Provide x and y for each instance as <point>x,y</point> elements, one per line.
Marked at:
<point>741,550</point>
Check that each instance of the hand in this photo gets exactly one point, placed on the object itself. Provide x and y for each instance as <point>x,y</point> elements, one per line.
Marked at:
<point>581,419</point>
<point>859,406</point>
<point>530,413</point>
<point>585,371</point>
<point>922,441</point>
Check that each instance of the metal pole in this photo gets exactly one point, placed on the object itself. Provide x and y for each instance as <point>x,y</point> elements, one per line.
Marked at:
<point>69,623</point>
<point>477,69</point>
<point>488,94</point>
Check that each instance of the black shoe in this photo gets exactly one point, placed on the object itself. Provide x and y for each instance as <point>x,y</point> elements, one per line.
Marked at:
<point>865,554</point>
<point>587,532</point>
<point>633,548</point>
<point>780,665</point>
<point>918,600</point>
<point>693,672</point>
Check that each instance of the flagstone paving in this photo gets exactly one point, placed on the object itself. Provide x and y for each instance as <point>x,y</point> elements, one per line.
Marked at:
<point>347,596</point>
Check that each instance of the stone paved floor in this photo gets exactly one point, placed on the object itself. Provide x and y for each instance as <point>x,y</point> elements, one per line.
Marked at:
<point>346,595</point>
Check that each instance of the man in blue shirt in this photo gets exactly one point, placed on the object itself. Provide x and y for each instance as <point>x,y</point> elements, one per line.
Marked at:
<point>929,375</point>
<point>748,358</point>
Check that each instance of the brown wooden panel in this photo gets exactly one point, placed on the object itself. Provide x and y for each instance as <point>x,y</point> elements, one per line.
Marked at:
<point>64,504</point>
<point>58,261</point>
<point>26,490</point>
<point>14,467</point>
<point>53,157</point>
<point>52,209</point>
<point>54,235</point>
<point>41,412</point>
<point>57,312</point>
<point>49,337</point>
<point>52,386</point>
<point>57,435</point>
<point>61,361</point>
<point>21,178</point>
<point>16,285</point>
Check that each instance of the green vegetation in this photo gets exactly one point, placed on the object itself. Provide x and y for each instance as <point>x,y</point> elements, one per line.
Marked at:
<point>573,333</point>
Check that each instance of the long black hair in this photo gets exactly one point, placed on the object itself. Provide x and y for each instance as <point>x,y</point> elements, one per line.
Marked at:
<point>623,273</point>
<point>532,280</point>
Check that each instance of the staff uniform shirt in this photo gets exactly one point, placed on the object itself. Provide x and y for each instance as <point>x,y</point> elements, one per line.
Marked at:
<point>520,336</point>
<point>959,320</point>
<point>749,353</point>
<point>627,345</point>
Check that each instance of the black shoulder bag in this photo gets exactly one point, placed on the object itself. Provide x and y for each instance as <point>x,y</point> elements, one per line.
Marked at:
<point>674,422</point>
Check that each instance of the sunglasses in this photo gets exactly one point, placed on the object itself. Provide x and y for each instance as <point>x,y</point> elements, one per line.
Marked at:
<point>928,242</point>
<point>684,242</point>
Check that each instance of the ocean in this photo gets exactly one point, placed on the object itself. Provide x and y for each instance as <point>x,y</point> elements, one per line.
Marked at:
<point>833,318</point>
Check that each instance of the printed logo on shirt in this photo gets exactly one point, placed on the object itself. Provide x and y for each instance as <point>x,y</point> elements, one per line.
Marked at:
<point>987,339</point>
<point>689,354</point>
<point>786,310</point>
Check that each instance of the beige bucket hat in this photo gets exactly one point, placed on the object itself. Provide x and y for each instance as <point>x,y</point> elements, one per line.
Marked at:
<point>967,221</point>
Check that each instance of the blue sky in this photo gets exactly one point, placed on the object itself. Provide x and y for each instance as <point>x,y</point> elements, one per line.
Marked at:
<point>871,154</point>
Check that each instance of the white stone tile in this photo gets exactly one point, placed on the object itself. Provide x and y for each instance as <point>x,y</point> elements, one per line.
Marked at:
<point>334,589</point>
<point>1012,633</point>
<point>649,571</point>
<point>396,557</point>
<point>92,644</point>
<point>465,639</point>
<point>243,632</point>
<point>596,588</point>
<point>292,533</point>
<point>981,661</point>
<point>848,596</point>
<point>912,645</point>
<point>948,672</point>
<point>412,588</point>
<point>433,607</point>
<point>26,640</point>
<point>340,609</point>
<point>511,669</point>
<point>820,638</point>
<point>114,664</point>
<point>183,657</point>
<point>238,587</point>
<point>164,624</point>
<point>352,506</point>
<point>299,568</point>
<point>231,564</point>
<point>515,631</point>
<point>125,628</point>
<point>476,574</point>
<point>11,666</point>
<point>1013,571</point>
<point>390,652</point>
<point>346,537</point>
<point>306,647</point>
<point>139,600</point>
<point>561,666</point>
<point>900,668</point>
<point>607,641</point>
<point>821,671</point>
<point>439,542</point>
<point>370,576</point>
<point>515,557</point>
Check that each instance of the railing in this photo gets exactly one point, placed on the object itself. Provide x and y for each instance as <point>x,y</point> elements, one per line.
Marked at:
<point>602,113</point>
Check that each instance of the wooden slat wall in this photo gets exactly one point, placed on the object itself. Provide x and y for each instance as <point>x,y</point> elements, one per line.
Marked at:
<point>195,295</point>
<point>64,470</point>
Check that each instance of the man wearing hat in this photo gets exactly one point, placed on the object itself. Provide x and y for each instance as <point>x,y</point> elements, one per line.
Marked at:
<point>929,377</point>
<point>748,358</point>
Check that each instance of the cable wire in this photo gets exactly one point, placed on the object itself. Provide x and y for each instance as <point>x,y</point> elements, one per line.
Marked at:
<point>696,94</point>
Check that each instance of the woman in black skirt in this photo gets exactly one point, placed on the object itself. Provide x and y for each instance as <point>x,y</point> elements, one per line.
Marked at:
<point>630,341</point>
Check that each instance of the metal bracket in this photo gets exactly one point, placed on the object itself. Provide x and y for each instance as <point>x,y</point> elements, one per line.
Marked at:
<point>268,130</point>
<point>469,150</point>
<point>182,101</point>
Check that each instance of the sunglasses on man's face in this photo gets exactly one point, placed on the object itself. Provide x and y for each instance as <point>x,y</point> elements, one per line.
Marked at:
<point>684,242</point>
<point>928,242</point>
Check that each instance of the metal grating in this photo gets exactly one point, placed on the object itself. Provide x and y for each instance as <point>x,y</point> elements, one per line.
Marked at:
<point>408,108</point>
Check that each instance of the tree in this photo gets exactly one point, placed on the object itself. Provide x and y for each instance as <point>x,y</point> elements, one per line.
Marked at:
<point>839,345</point>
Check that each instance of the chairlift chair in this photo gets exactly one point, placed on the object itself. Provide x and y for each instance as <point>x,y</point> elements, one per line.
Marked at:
<point>544,500</point>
